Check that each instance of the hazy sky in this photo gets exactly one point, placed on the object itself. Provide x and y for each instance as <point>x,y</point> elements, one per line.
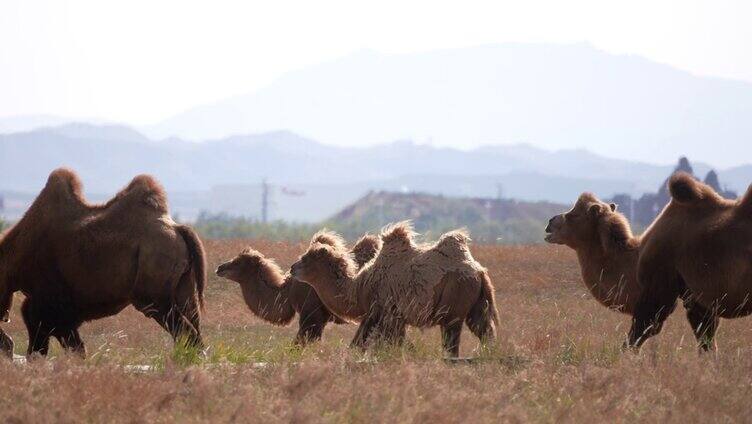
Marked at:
<point>142,61</point>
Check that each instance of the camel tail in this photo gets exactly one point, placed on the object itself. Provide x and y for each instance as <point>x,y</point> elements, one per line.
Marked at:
<point>197,260</point>
<point>483,319</point>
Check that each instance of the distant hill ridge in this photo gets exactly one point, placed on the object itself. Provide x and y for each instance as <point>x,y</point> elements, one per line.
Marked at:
<point>489,220</point>
<point>224,175</point>
<point>551,95</point>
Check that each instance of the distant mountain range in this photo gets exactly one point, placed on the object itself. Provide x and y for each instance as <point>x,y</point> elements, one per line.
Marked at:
<point>311,181</point>
<point>553,96</point>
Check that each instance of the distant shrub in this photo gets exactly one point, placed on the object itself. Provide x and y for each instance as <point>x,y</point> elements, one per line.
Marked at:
<point>223,226</point>
<point>511,231</point>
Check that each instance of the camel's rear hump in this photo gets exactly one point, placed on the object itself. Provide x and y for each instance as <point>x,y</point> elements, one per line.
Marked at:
<point>454,244</point>
<point>398,236</point>
<point>686,190</point>
<point>143,190</point>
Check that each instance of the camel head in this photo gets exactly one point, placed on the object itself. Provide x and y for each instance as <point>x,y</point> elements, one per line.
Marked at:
<point>582,224</point>
<point>322,261</point>
<point>329,238</point>
<point>250,266</point>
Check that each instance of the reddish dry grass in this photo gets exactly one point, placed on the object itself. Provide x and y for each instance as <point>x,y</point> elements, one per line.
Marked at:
<point>558,360</point>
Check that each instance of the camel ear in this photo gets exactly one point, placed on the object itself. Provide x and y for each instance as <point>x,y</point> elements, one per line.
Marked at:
<point>613,207</point>
<point>595,210</point>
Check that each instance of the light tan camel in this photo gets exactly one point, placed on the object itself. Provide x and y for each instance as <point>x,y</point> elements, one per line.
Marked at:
<point>406,284</point>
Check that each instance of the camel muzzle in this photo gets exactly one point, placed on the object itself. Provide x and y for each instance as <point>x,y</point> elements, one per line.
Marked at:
<point>221,270</point>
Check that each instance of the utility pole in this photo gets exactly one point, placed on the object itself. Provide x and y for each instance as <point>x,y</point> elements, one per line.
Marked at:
<point>264,201</point>
<point>499,191</point>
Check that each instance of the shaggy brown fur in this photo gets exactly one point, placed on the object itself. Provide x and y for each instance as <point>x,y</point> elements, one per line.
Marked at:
<point>276,298</point>
<point>77,262</point>
<point>608,253</point>
<point>701,242</point>
<point>406,284</point>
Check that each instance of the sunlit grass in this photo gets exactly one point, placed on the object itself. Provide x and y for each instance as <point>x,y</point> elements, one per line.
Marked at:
<point>557,358</point>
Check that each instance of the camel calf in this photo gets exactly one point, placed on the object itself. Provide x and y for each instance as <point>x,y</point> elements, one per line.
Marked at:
<point>275,297</point>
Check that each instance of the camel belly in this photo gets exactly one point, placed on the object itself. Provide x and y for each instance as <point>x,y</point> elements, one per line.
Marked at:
<point>730,299</point>
<point>725,287</point>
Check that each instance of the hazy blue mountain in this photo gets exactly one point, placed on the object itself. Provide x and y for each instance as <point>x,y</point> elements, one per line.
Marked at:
<point>25,123</point>
<point>554,96</point>
<point>21,123</point>
<point>224,175</point>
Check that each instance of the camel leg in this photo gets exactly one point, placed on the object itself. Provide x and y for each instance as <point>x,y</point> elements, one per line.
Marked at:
<point>451,330</point>
<point>179,326</point>
<point>311,324</point>
<point>180,319</point>
<point>655,305</point>
<point>71,341</point>
<point>173,321</point>
<point>39,332</point>
<point>704,323</point>
<point>6,344</point>
<point>367,325</point>
<point>390,330</point>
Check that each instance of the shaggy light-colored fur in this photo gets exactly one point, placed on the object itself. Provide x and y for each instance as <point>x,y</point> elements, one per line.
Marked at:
<point>406,284</point>
<point>77,262</point>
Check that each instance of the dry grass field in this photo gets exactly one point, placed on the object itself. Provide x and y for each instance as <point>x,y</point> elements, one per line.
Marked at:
<point>558,359</point>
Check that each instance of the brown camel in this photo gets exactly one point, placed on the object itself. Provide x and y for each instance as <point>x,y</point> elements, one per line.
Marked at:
<point>406,284</point>
<point>77,262</point>
<point>699,247</point>
<point>608,253</point>
<point>276,298</point>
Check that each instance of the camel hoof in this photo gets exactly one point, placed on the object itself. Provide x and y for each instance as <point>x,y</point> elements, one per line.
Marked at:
<point>460,360</point>
<point>206,352</point>
<point>626,347</point>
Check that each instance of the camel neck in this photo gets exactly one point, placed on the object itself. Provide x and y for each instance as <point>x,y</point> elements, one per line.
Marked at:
<point>609,276</point>
<point>340,295</point>
<point>267,300</point>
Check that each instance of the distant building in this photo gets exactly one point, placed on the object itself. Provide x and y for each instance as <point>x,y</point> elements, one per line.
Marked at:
<point>643,211</point>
